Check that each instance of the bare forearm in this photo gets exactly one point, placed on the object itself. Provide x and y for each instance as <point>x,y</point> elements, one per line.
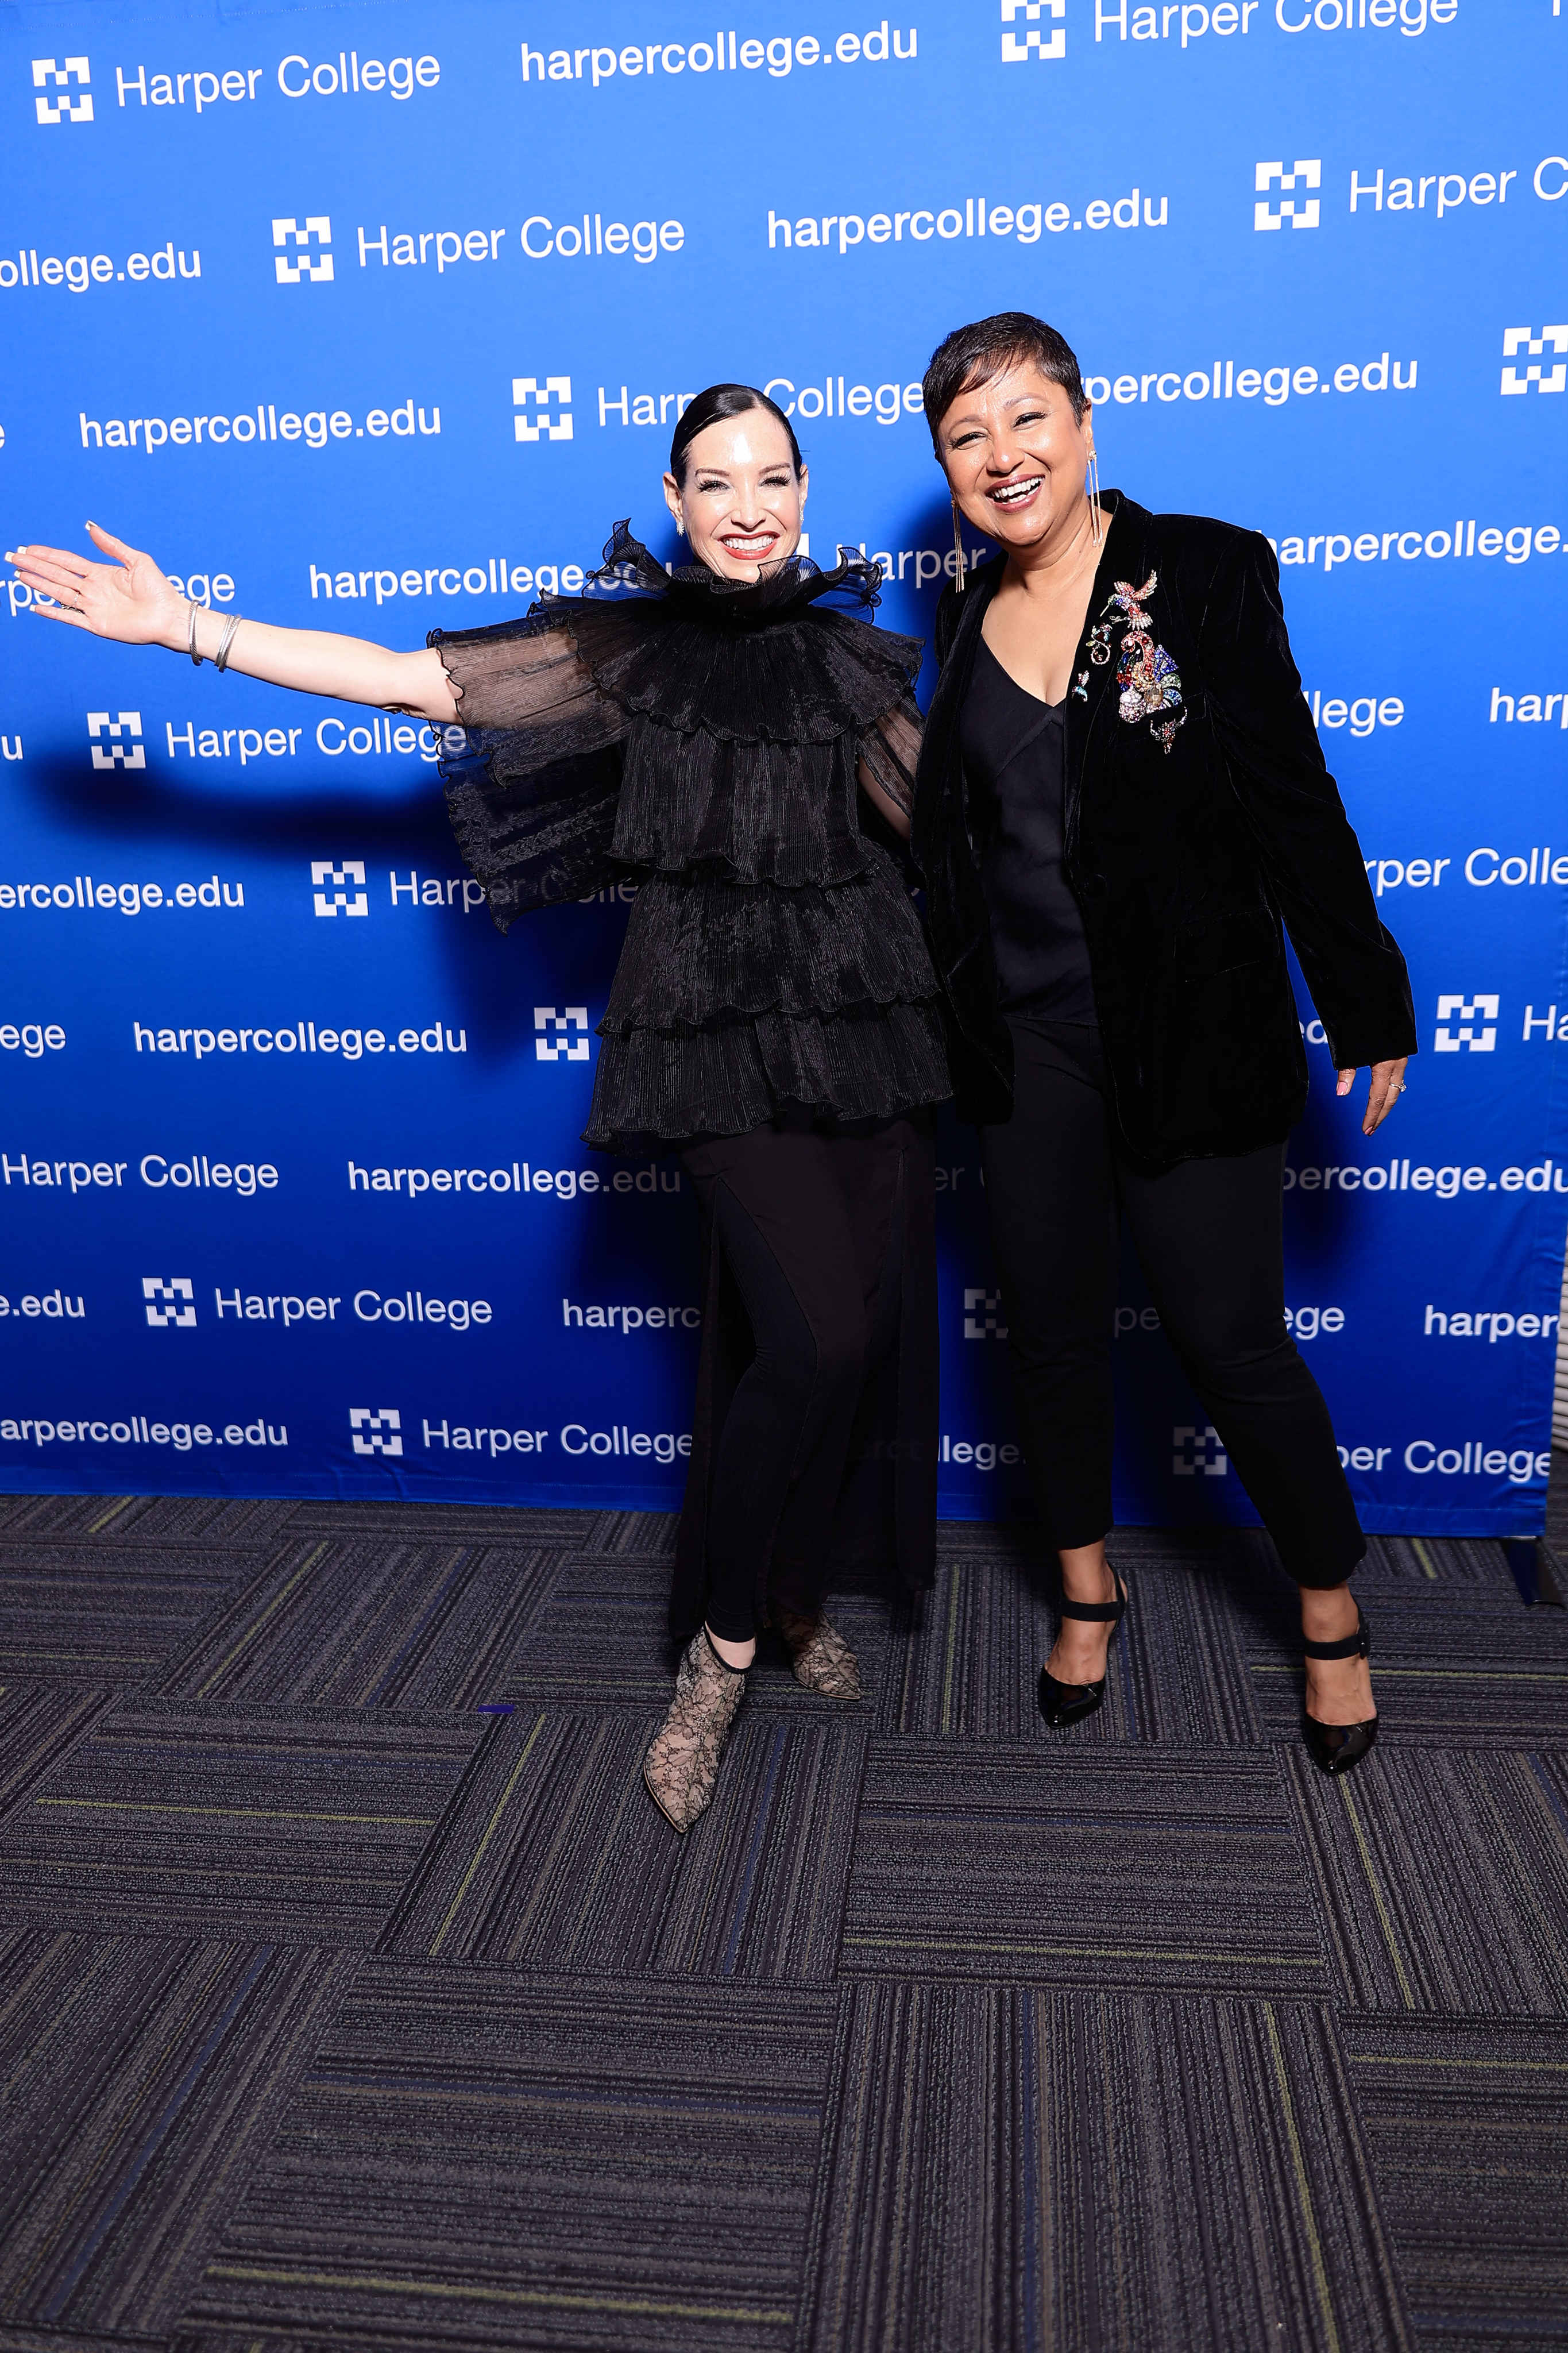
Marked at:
<point>319,661</point>
<point>130,600</point>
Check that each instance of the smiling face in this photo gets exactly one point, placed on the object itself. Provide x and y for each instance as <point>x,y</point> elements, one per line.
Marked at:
<point>742,503</point>
<point>1015,457</point>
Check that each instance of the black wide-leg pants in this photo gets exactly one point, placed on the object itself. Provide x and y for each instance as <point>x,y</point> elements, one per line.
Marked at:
<point>1209,1234</point>
<point>810,1227</point>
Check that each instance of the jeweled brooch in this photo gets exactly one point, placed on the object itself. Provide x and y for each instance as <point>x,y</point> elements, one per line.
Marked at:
<point>1149,681</point>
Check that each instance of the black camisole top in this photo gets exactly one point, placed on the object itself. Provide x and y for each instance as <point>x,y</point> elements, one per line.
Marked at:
<point>1014,749</point>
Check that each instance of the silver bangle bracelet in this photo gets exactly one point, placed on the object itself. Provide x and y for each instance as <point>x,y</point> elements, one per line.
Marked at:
<point>220,660</point>
<point>191,632</point>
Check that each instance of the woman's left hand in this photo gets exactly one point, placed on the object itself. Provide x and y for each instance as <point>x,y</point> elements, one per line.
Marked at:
<point>1387,1086</point>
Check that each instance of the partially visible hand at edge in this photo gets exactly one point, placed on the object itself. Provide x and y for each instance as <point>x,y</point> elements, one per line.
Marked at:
<point>1387,1085</point>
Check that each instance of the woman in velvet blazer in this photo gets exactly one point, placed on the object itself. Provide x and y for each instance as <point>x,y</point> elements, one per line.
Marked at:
<point>1121,809</point>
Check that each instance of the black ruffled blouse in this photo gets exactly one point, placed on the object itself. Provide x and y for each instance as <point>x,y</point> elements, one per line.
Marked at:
<point>707,734</point>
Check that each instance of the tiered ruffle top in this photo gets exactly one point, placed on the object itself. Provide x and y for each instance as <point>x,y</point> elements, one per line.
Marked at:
<point>706,736</point>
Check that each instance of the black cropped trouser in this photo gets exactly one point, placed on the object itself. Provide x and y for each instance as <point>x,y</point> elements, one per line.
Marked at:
<point>1209,1234</point>
<point>808,1223</point>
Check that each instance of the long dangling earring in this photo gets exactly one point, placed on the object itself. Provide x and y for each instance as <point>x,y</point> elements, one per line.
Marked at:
<point>1096,522</point>
<point>958,543</point>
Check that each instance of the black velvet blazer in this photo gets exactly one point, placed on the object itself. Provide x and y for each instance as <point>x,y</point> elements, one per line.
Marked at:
<point>1199,821</point>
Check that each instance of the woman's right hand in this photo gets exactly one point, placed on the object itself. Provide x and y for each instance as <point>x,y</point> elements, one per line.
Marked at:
<point>127,598</point>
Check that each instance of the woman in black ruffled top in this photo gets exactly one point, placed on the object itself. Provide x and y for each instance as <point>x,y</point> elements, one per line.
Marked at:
<point>745,746</point>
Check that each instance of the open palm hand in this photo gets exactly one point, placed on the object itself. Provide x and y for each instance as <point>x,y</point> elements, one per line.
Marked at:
<point>126,599</point>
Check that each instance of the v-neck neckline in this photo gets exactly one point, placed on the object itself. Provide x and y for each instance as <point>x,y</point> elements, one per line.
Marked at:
<point>1046,710</point>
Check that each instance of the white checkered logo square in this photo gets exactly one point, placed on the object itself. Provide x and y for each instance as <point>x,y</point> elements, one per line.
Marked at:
<point>1199,1453</point>
<point>563,1037</point>
<point>1460,1024</point>
<point>527,390</point>
<point>1300,212</point>
<point>117,742</point>
<point>983,1316</point>
<point>293,270</point>
<point>376,1430</point>
<point>47,75</point>
<point>1032,40</point>
<point>170,1299</point>
<point>340,889</point>
<point>1532,344</point>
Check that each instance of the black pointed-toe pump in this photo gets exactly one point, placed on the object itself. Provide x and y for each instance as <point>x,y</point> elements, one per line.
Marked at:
<point>1337,1748</point>
<point>1065,1704</point>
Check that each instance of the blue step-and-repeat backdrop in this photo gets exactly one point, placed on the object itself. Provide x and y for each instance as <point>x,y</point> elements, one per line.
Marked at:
<point>377,317</point>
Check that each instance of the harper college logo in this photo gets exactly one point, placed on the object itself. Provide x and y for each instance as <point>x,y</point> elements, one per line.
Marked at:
<point>538,426</point>
<point>563,1036</point>
<point>1199,1453</point>
<point>1518,340</point>
<point>376,1430</point>
<point>47,75</point>
<point>317,231</point>
<point>1033,41</point>
<point>1467,1013</point>
<point>983,1316</point>
<point>171,1300</point>
<point>340,889</point>
<point>117,742</point>
<point>1302,214</point>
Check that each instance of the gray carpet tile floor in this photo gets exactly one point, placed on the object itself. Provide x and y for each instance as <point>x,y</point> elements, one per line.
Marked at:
<point>354,1995</point>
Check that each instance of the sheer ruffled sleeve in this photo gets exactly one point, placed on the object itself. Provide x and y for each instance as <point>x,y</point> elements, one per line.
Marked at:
<point>532,770</point>
<point>889,749</point>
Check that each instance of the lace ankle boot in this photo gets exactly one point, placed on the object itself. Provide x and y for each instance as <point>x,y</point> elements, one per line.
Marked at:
<point>822,1659</point>
<point>682,1762</point>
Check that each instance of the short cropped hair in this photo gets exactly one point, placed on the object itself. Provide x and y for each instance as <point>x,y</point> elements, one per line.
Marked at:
<point>974,354</point>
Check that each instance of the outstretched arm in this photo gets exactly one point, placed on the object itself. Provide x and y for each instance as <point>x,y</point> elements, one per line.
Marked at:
<point>129,599</point>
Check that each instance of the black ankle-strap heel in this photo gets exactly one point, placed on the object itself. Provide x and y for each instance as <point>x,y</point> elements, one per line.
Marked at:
<point>1336,1747</point>
<point>1065,1704</point>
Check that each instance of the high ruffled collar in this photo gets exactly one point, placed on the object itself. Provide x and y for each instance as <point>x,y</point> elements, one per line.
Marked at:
<point>782,588</point>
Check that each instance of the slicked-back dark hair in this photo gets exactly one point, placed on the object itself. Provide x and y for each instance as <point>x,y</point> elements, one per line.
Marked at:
<point>974,354</point>
<point>711,407</point>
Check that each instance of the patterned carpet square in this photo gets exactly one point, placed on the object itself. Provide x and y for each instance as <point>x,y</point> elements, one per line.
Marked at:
<point>334,1623</point>
<point>475,2161</point>
<point>70,2340</point>
<point>354,1997</point>
<point>1154,1870</point>
<point>648,1533</point>
<point>1468,2129</point>
<point>111,1612</point>
<point>1443,1879</point>
<point>215,1523</point>
<point>184,1821</point>
<point>963,1657</point>
<point>39,1723</point>
<point>1014,2167</point>
<point>599,1637</point>
<point>142,2080</point>
<point>418,1523</point>
<point>557,1858</point>
<point>1418,1561</point>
